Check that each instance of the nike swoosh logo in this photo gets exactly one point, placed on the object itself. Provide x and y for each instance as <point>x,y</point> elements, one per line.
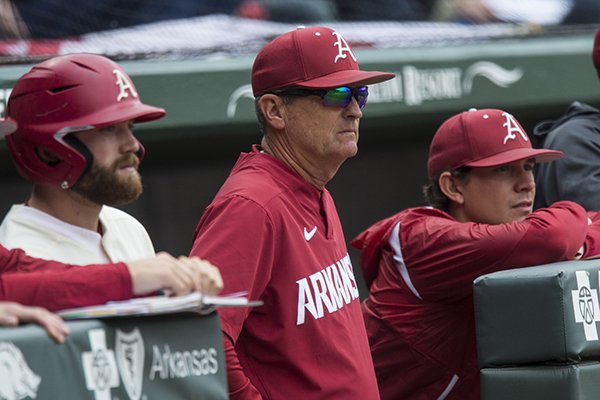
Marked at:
<point>309,235</point>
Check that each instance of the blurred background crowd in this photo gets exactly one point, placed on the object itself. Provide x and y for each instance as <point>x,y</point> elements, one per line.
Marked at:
<point>52,19</point>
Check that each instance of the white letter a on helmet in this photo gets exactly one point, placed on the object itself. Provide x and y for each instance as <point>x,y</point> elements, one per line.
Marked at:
<point>124,85</point>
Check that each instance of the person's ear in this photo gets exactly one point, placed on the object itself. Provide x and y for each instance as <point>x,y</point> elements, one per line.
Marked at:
<point>449,187</point>
<point>273,110</point>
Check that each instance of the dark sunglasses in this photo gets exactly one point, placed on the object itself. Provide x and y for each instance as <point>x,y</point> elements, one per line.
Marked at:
<point>338,97</point>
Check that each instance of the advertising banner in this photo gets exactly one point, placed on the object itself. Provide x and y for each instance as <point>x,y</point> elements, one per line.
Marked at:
<point>170,356</point>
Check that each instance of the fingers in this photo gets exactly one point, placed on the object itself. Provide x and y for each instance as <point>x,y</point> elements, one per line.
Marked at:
<point>176,276</point>
<point>56,327</point>
<point>187,274</point>
<point>156,273</point>
<point>207,278</point>
<point>9,320</point>
<point>475,10</point>
<point>212,282</point>
<point>184,278</point>
<point>12,313</point>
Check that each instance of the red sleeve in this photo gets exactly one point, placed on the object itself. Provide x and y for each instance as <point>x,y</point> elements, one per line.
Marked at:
<point>592,239</point>
<point>16,260</point>
<point>370,243</point>
<point>237,236</point>
<point>57,286</point>
<point>239,386</point>
<point>456,253</point>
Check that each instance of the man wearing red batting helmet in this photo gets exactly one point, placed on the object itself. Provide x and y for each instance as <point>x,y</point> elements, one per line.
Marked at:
<point>420,263</point>
<point>69,130</point>
<point>274,231</point>
<point>74,141</point>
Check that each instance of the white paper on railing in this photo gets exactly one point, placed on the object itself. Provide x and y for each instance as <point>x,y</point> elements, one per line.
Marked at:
<point>152,305</point>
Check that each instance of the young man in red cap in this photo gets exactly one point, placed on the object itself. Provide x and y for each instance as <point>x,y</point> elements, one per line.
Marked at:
<point>420,263</point>
<point>274,231</point>
<point>576,176</point>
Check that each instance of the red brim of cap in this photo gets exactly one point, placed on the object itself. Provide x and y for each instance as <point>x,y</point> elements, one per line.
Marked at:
<point>540,155</point>
<point>349,77</point>
<point>7,127</point>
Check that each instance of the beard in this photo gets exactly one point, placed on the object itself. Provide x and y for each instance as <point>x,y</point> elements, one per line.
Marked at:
<point>104,185</point>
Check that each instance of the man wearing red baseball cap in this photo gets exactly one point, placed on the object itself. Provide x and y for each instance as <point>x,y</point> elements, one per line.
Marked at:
<point>575,177</point>
<point>274,231</point>
<point>420,263</point>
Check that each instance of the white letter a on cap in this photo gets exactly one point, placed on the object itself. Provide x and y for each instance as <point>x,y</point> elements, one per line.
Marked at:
<point>511,127</point>
<point>342,46</point>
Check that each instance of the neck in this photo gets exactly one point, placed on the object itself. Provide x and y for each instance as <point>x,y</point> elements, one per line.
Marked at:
<point>313,171</point>
<point>458,213</point>
<point>66,205</point>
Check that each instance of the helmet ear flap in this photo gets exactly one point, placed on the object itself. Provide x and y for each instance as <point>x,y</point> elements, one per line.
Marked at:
<point>78,145</point>
<point>39,165</point>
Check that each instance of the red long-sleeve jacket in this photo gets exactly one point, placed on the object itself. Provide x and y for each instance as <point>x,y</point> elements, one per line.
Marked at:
<point>420,265</point>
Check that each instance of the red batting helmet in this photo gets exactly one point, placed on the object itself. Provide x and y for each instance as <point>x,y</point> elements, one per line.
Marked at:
<point>63,95</point>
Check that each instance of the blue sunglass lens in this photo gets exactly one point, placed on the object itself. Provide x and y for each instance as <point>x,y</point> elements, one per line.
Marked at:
<point>361,95</point>
<point>342,96</point>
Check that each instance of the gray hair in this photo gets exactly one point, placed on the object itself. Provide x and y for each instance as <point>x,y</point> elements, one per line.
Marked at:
<point>260,117</point>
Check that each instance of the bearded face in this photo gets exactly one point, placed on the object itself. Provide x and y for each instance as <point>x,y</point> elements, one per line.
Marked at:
<point>116,184</point>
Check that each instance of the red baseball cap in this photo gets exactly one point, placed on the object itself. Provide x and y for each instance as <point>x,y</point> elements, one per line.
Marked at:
<point>315,57</point>
<point>482,138</point>
<point>596,49</point>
